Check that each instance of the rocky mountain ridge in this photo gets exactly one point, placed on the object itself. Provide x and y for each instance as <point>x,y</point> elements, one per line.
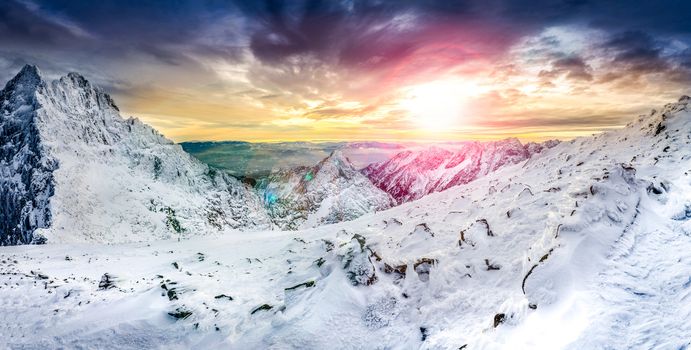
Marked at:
<point>410,175</point>
<point>74,170</point>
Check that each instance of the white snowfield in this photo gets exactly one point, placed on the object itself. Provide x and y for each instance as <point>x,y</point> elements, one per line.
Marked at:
<point>585,246</point>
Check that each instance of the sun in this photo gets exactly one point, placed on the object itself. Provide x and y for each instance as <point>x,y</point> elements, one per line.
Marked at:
<point>438,105</point>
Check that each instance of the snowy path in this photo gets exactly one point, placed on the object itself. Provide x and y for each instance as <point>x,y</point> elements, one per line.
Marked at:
<point>643,296</point>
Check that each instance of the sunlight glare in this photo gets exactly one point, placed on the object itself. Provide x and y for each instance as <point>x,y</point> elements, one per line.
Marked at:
<point>438,105</point>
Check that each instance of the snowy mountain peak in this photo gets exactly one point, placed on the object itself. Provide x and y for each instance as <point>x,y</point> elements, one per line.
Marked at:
<point>77,92</point>
<point>20,89</point>
<point>29,73</point>
<point>337,164</point>
<point>72,169</point>
<point>329,192</point>
<point>337,156</point>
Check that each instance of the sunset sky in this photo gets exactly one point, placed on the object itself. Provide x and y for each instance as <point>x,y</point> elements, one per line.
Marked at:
<point>363,70</point>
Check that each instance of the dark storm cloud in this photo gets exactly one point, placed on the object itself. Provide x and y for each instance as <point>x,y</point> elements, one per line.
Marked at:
<point>379,35</point>
<point>354,33</point>
<point>359,33</point>
<point>573,67</point>
<point>166,31</point>
<point>637,52</point>
<point>20,25</point>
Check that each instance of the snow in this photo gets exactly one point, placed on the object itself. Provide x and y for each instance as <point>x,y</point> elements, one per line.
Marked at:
<point>329,192</point>
<point>108,179</point>
<point>585,245</point>
<point>412,174</point>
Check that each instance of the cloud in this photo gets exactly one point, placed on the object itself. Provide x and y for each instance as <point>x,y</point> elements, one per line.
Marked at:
<point>255,62</point>
<point>637,52</point>
<point>572,67</point>
<point>24,24</point>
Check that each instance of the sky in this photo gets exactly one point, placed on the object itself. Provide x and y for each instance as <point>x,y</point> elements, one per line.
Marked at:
<point>363,70</point>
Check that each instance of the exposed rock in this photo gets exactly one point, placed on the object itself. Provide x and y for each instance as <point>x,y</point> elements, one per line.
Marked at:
<point>223,296</point>
<point>107,282</point>
<point>499,319</point>
<point>263,307</point>
<point>180,313</point>
<point>307,284</point>
<point>491,266</point>
<point>356,261</point>
<point>422,229</point>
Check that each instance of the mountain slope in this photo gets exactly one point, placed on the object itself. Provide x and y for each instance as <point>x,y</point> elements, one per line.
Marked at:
<point>74,170</point>
<point>410,175</point>
<point>26,179</point>
<point>331,191</point>
<point>586,246</point>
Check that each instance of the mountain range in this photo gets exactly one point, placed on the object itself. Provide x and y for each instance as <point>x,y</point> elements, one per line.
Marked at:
<point>74,170</point>
<point>583,245</point>
<point>410,175</point>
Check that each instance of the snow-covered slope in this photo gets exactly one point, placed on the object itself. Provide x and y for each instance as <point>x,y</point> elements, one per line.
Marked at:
<point>73,170</point>
<point>586,246</point>
<point>329,192</point>
<point>410,175</point>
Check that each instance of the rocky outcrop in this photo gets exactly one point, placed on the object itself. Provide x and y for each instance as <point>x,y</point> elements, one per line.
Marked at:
<point>26,172</point>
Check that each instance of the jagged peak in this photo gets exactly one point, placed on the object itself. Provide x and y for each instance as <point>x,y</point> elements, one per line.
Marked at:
<point>77,79</point>
<point>29,71</point>
<point>513,140</point>
<point>337,158</point>
<point>27,79</point>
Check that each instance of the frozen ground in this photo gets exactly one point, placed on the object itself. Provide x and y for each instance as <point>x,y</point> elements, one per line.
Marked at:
<point>587,246</point>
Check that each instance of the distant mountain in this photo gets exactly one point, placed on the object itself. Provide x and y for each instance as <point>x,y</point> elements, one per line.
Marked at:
<point>72,169</point>
<point>410,175</point>
<point>257,159</point>
<point>329,192</point>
